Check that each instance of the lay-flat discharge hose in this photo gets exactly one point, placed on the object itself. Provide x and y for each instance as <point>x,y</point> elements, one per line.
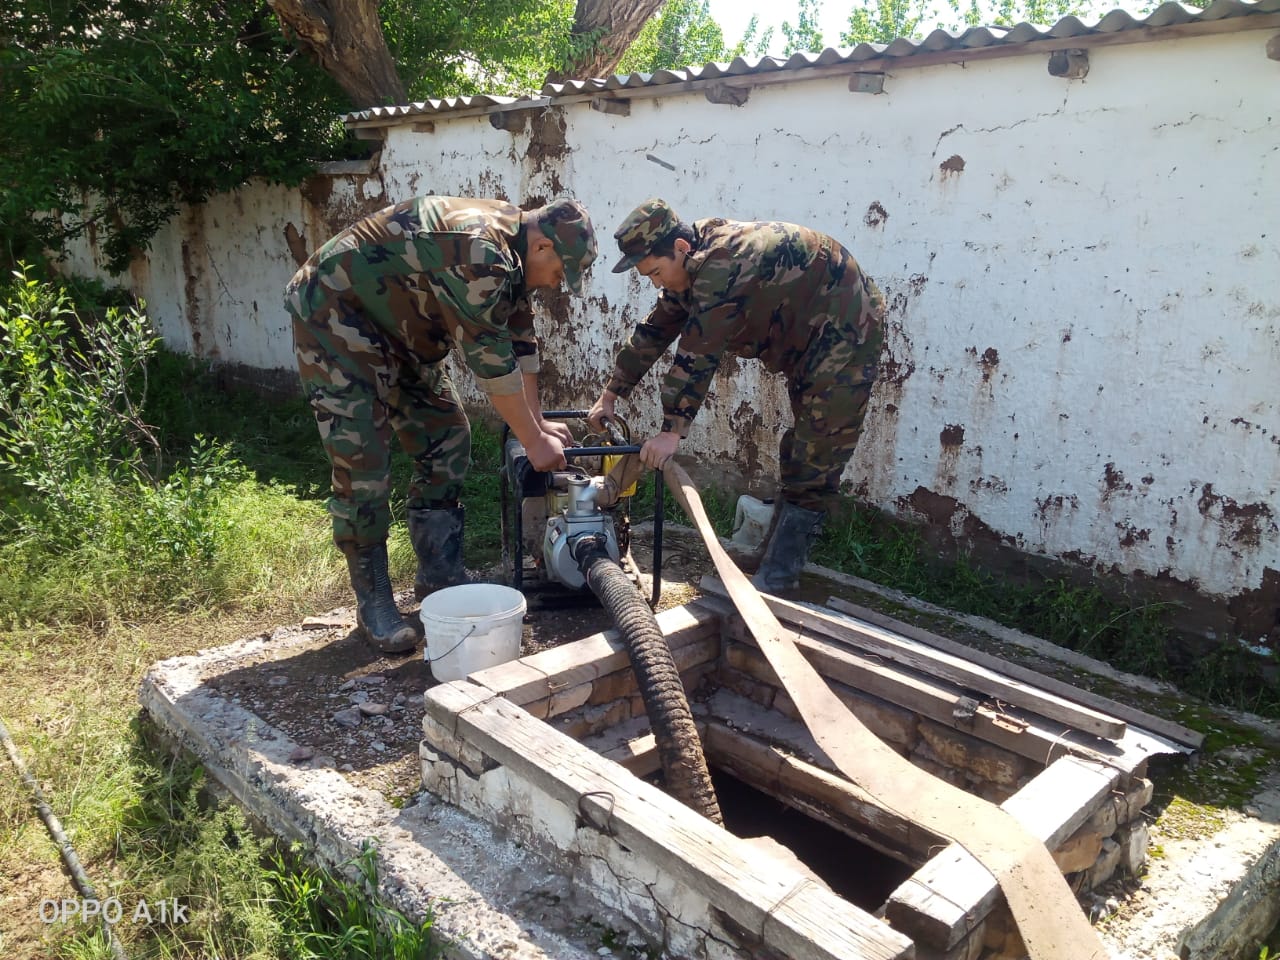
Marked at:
<point>679,747</point>
<point>1052,925</point>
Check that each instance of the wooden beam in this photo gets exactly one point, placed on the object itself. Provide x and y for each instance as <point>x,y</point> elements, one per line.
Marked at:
<point>937,663</point>
<point>862,682</point>
<point>512,121</point>
<point>731,94</point>
<point>824,795</point>
<point>1014,730</point>
<point>866,83</point>
<point>1122,711</point>
<point>951,894</point>
<point>1069,64</point>
<point>797,917</point>
<point>618,108</point>
<point>538,675</point>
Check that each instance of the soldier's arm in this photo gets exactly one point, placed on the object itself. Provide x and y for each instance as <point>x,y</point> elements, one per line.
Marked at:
<point>720,290</point>
<point>476,302</point>
<point>524,342</point>
<point>684,388</point>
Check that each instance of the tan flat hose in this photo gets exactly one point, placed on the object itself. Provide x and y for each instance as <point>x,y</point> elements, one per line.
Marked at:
<point>1051,923</point>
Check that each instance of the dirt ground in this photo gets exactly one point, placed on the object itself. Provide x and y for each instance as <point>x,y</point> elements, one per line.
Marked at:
<point>356,710</point>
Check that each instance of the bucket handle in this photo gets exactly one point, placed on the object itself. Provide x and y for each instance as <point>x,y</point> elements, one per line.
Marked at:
<point>454,647</point>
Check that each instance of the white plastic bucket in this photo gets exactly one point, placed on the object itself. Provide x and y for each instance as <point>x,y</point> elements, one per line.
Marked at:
<point>470,627</point>
<point>751,521</point>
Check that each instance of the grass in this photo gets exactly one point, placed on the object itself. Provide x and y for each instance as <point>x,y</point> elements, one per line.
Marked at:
<point>1134,637</point>
<point>128,554</point>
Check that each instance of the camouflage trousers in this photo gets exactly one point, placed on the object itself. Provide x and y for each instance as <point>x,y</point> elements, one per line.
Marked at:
<point>361,393</point>
<point>829,392</point>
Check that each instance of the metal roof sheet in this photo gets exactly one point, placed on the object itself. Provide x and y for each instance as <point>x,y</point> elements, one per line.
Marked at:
<point>973,38</point>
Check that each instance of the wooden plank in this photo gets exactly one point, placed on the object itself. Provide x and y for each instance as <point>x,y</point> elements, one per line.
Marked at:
<point>821,794</point>
<point>796,916</point>
<point>1048,917</point>
<point>630,746</point>
<point>949,896</point>
<point>858,676</point>
<point>539,675</point>
<point>939,663</point>
<point>1123,711</point>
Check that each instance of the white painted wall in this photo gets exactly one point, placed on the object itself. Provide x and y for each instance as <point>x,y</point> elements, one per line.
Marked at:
<point>1111,247</point>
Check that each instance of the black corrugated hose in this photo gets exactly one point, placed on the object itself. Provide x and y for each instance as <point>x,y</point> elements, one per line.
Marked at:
<point>679,747</point>
<point>69,859</point>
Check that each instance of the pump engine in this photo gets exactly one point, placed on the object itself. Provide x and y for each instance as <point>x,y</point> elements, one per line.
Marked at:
<point>550,518</point>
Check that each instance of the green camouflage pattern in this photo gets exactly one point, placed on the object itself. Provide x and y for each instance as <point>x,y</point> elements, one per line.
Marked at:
<point>796,300</point>
<point>643,227</point>
<point>423,275</point>
<point>568,225</point>
<point>375,312</point>
<point>360,396</point>
<point>829,395</point>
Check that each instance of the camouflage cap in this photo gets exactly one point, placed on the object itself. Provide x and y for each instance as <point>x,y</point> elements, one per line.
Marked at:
<point>568,225</point>
<point>643,227</point>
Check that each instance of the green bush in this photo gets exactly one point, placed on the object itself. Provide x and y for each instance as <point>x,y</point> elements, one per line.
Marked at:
<point>67,414</point>
<point>91,506</point>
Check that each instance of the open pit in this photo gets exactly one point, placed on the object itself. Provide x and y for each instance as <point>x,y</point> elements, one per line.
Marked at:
<point>543,831</point>
<point>555,749</point>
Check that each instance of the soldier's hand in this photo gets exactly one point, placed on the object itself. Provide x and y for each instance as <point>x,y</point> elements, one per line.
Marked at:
<point>546,453</point>
<point>658,449</point>
<point>601,411</point>
<point>558,429</point>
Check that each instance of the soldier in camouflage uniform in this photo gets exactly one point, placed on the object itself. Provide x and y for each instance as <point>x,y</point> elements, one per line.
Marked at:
<point>787,295</point>
<point>375,312</point>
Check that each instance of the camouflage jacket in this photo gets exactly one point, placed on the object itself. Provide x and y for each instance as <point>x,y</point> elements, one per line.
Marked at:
<point>759,289</point>
<point>430,272</point>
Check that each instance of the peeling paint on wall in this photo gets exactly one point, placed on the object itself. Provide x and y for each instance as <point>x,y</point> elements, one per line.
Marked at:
<point>1242,524</point>
<point>1060,364</point>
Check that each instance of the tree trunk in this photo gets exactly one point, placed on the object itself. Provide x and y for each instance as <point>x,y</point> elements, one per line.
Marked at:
<point>620,22</point>
<point>345,38</point>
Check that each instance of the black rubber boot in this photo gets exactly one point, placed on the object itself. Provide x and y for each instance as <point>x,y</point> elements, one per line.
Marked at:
<point>436,534</point>
<point>376,613</point>
<point>794,531</point>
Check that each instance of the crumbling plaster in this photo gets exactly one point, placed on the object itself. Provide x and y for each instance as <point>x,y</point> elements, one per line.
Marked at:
<point>1083,281</point>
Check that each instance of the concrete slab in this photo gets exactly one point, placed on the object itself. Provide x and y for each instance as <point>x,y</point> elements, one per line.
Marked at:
<point>263,716</point>
<point>491,900</point>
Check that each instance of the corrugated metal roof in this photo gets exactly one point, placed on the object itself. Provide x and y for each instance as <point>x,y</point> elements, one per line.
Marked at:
<point>974,38</point>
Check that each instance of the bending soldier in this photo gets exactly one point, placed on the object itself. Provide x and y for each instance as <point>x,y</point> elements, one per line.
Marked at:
<point>787,295</point>
<point>375,312</point>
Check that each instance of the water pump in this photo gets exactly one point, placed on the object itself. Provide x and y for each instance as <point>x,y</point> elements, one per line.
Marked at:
<point>550,518</point>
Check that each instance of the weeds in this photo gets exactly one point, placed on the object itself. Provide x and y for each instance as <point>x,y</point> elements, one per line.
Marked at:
<point>193,880</point>
<point>149,513</point>
<point>323,917</point>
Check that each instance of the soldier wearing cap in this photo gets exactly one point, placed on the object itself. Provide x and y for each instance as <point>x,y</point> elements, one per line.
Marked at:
<point>787,295</point>
<point>375,312</point>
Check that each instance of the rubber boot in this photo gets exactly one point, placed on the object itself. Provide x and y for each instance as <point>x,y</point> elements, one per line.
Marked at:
<point>794,532</point>
<point>376,613</point>
<point>436,534</point>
